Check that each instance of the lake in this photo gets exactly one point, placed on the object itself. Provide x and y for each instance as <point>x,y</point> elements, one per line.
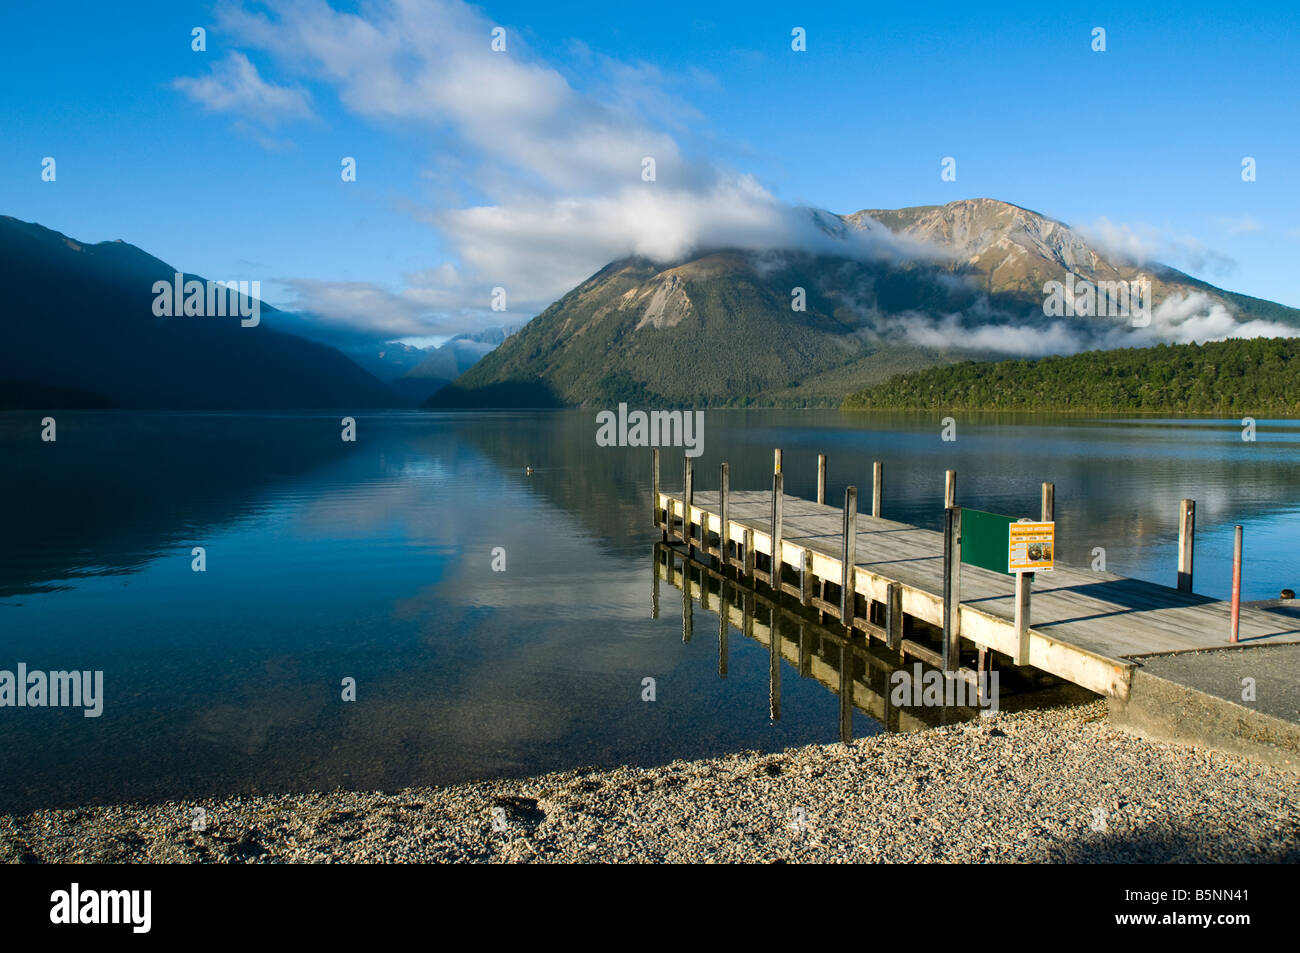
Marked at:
<point>373,561</point>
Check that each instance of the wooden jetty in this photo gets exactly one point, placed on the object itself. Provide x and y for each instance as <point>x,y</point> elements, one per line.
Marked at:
<point>881,578</point>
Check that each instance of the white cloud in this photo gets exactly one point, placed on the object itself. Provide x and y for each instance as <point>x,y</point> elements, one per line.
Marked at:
<point>556,173</point>
<point>234,85</point>
<point>1239,226</point>
<point>1143,244</point>
<point>560,167</point>
<point>431,61</point>
<point>1197,318</point>
<point>1179,319</point>
<point>1022,340</point>
<point>543,247</point>
<point>433,303</point>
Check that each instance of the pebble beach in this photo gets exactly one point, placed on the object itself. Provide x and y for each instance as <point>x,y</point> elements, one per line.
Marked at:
<point>1055,785</point>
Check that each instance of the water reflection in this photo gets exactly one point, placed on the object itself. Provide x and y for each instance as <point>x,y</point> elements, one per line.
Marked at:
<point>373,560</point>
<point>860,675</point>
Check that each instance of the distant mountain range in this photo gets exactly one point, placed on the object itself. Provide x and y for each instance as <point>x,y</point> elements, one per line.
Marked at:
<point>387,360</point>
<point>878,293</point>
<point>80,329</point>
<point>417,373</point>
<point>946,283</point>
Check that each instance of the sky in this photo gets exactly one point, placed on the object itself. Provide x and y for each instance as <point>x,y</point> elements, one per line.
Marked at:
<point>523,168</point>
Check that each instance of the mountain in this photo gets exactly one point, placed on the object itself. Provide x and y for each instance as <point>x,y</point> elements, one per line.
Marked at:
<point>1255,377</point>
<point>443,364</point>
<point>704,331</point>
<point>80,330</point>
<point>457,355</point>
<point>389,360</point>
<point>937,284</point>
<point>1010,250</point>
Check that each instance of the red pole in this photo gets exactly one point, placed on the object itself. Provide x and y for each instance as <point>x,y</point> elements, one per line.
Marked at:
<point>1236,583</point>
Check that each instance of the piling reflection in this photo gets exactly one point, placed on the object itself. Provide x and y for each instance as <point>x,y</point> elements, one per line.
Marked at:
<point>865,677</point>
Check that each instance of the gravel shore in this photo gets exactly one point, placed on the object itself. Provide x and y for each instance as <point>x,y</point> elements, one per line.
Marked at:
<point>1055,785</point>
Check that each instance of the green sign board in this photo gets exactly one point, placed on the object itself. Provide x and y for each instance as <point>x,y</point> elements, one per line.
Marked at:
<point>984,539</point>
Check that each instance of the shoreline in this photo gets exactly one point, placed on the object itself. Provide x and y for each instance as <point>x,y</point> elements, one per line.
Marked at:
<point>1047,785</point>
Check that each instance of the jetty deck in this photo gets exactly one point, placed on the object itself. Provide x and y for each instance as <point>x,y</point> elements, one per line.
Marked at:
<point>1085,626</point>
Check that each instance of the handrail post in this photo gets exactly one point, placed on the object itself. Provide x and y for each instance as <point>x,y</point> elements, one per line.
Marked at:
<point>778,496</point>
<point>849,558</point>
<point>952,589</point>
<point>1236,584</point>
<point>1186,542</point>
<point>724,526</point>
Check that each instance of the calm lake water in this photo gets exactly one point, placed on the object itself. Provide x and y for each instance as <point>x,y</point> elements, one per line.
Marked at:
<point>373,560</point>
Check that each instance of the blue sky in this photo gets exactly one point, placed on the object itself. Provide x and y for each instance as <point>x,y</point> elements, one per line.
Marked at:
<point>521,169</point>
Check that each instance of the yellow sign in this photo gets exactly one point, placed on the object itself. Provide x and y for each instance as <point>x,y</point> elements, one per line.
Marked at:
<point>1031,547</point>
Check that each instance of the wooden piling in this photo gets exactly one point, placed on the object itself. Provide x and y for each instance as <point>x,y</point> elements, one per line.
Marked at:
<point>654,588</point>
<point>1186,541</point>
<point>952,588</point>
<point>776,460</point>
<point>725,610</point>
<point>748,543</point>
<point>849,557</point>
<point>688,536</point>
<point>1049,502</point>
<point>888,715</point>
<point>774,666</point>
<point>688,608</point>
<point>949,489</point>
<point>654,493</point>
<point>983,665</point>
<point>747,614</point>
<point>778,498</point>
<point>821,478</point>
<point>724,525</point>
<point>877,487</point>
<point>846,692</point>
<point>805,578</point>
<point>894,616</point>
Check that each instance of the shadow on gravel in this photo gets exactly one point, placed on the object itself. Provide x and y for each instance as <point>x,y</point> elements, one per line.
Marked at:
<point>520,810</point>
<point>1166,845</point>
